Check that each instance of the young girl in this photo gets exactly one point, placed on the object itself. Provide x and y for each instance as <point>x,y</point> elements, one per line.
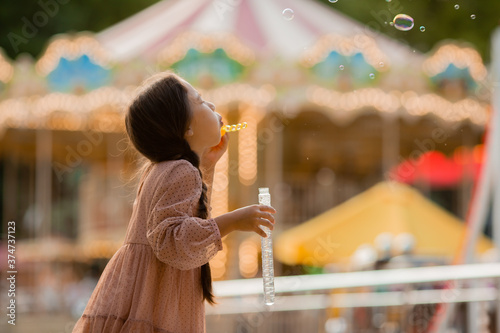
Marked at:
<point>159,279</point>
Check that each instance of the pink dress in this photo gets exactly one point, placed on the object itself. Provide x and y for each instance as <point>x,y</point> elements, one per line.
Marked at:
<point>152,283</point>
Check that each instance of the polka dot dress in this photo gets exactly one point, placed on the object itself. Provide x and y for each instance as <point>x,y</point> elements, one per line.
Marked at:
<point>152,283</point>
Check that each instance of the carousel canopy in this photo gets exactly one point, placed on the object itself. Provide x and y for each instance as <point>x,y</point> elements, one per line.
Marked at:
<point>246,51</point>
<point>263,26</point>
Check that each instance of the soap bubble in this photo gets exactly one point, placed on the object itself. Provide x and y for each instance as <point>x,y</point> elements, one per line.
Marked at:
<point>381,64</point>
<point>473,16</point>
<point>288,14</point>
<point>333,1</point>
<point>457,6</point>
<point>341,67</point>
<point>372,76</point>
<point>387,0</point>
<point>422,28</point>
<point>403,22</point>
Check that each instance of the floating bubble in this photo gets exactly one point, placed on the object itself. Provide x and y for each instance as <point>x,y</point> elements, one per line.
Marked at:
<point>473,16</point>
<point>381,64</point>
<point>387,0</point>
<point>341,67</point>
<point>422,28</point>
<point>457,6</point>
<point>372,76</point>
<point>288,14</point>
<point>403,22</point>
<point>333,1</point>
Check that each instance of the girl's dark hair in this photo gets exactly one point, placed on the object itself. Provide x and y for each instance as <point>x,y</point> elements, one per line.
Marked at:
<point>156,122</point>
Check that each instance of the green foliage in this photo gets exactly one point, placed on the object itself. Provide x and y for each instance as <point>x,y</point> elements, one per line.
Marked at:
<point>439,17</point>
<point>28,25</point>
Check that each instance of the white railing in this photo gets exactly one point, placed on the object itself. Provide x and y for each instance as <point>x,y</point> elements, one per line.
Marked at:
<point>319,292</point>
<point>303,283</point>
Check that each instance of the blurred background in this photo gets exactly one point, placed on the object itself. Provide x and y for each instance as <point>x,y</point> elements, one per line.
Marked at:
<point>372,123</point>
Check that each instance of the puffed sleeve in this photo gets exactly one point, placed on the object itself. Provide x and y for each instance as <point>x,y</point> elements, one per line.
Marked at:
<point>177,237</point>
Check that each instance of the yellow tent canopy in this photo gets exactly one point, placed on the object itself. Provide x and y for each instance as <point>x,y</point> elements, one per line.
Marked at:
<point>391,207</point>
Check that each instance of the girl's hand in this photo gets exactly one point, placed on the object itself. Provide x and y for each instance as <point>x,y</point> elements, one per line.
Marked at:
<point>248,218</point>
<point>212,155</point>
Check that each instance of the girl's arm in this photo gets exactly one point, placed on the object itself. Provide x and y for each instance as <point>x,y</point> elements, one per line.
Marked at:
<point>177,237</point>
<point>248,218</point>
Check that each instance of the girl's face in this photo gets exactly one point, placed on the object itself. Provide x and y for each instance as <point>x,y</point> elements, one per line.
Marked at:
<point>205,125</point>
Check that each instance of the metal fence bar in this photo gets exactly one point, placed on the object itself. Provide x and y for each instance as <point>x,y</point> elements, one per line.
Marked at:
<point>302,283</point>
<point>254,304</point>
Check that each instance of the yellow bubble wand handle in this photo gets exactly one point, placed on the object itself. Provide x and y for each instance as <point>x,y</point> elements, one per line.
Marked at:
<point>232,128</point>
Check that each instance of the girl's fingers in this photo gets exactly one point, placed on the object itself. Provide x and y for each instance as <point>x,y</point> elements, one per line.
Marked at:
<point>261,232</point>
<point>268,216</point>
<point>266,223</point>
<point>267,209</point>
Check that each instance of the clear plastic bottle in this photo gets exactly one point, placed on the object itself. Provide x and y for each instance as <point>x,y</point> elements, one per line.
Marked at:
<point>267,253</point>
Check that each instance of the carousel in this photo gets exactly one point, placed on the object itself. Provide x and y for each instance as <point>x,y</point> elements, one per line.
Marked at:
<point>332,109</point>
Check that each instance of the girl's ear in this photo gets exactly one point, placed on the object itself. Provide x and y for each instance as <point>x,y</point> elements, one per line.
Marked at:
<point>189,132</point>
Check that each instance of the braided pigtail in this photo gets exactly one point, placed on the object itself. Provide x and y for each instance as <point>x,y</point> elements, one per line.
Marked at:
<point>206,276</point>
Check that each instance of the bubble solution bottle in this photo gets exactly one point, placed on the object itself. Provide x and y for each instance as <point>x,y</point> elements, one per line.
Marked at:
<point>267,252</point>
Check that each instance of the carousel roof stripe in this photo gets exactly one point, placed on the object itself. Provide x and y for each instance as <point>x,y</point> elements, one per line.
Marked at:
<point>211,19</point>
<point>287,39</point>
<point>259,24</point>
<point>182,26</point>
<point>133,36</point>
<point>136,20</point>
<point>248,27</point>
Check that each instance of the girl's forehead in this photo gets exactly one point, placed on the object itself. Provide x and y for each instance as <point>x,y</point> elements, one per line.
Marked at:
<point>193,93</point>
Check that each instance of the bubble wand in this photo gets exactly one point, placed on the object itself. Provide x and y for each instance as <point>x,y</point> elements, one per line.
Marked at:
<point>232,128</point>
<point>267,252</point>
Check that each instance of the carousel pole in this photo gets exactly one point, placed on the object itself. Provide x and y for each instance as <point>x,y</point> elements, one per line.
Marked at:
<point>496,158</point>
<point>43,181</point>
<point>485,191</point>
<point>390,142</point>
<point>43,193</point>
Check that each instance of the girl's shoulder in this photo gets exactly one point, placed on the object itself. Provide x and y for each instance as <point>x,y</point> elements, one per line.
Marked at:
<point>176,168</point>
<point>171,174</point>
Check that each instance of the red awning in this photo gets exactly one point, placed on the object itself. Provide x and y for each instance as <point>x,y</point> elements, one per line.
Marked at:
<point>438,170</point>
